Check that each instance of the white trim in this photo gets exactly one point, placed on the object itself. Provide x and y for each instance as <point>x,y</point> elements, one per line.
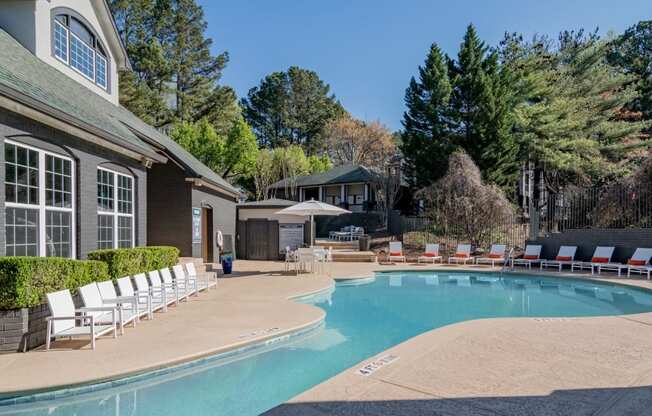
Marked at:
<point>115,213</point>
<point>42,207</point>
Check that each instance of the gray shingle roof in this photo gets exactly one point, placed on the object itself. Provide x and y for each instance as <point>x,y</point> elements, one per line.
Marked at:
<point>272,202</point>
<point>338,175</point>
<point>26,77</point>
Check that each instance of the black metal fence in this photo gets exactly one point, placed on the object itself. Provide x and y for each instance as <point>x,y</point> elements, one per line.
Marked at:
<point>612,207</point>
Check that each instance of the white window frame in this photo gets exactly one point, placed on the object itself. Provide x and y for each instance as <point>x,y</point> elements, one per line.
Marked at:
<point>70,33</point>
<point>106,72</point>
<point>65,61</point>
<point>116,213</point>
<point>42,207</point>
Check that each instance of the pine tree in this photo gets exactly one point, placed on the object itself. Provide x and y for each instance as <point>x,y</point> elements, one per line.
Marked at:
<point>426,136</point>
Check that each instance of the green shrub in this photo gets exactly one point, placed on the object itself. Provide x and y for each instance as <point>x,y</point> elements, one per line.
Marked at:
<point>24,281</point>
<point>130,261</point>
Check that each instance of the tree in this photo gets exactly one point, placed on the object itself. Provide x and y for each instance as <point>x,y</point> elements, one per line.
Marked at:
<point>632,51</point>
<point>233,157</point>
<point>569,120</point>
<point>355,142</point>
<point>426,137</point>
<point>463,205</point>
<point>175,76</point>
<point>319,164</point>
<point>291,107</point>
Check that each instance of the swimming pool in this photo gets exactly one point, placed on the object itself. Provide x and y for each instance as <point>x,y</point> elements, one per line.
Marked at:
<point>361,321</point>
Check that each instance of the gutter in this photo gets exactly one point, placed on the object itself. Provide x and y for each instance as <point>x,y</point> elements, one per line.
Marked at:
<point>25,105</point>
<point>203,182</point>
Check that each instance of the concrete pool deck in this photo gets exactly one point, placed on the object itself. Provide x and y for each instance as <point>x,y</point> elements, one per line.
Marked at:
<point>493,366</point>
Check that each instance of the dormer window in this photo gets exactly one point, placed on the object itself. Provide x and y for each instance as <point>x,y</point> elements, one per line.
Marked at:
<point>74,44</point>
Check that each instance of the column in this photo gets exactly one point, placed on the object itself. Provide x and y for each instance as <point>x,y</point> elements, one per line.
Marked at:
<point>343,194</point>
<point>321,193</point>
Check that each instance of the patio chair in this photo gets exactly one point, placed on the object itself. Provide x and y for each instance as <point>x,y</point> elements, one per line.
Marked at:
<point>103,313</point>
<point>601,255</point>
<point>462,255</point>
<point>641,264</point>
<point>128,303</point>
<point>143,300</point>
<point>157,296</point>
<point>396,251</point>
<point>565,257</point>
<point>306,259</point>
<point>179,287</point>
<point>496,255</point>
<point>641,257</point>
<point>430,255</point>
<point>64,318</point>
<point>204,284</point>
<point>290,258</point>
<point>169,292</point>
<point>531,256</point>
<point>182,279</point>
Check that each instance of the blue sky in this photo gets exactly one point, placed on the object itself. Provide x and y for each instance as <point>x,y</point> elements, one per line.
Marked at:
<point>367,50</point>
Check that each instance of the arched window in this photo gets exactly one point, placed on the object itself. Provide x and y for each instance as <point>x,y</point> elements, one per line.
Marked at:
<point>76,45</point>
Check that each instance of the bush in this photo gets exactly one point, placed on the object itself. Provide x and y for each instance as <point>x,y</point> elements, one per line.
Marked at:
<point>130,261</point>
<point>24,281</point>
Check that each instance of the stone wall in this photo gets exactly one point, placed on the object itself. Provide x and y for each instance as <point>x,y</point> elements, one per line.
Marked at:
<point>23,329</point>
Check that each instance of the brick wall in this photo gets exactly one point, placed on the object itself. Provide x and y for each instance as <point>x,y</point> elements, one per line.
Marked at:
<point>23,329</point>
<point>625,240</point>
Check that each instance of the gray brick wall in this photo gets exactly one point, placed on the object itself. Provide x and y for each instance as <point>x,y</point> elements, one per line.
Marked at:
<point>87,158</point>
<point>625,240</point>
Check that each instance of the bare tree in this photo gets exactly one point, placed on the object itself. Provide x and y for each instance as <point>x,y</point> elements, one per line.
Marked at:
<point>463,205</point>
<point>352,141</point>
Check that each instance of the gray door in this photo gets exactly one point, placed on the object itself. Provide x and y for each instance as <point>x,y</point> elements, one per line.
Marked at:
<point>257,240</point>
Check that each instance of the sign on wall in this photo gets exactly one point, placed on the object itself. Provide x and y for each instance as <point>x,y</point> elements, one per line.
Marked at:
<point>290,235</point>
<point>196,225</point>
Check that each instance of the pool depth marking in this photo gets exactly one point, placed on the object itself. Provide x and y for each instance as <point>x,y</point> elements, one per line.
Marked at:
<point>371,368</point>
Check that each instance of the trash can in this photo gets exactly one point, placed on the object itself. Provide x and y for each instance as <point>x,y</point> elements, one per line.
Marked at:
<point>227,263</point>
<point>364,243</point>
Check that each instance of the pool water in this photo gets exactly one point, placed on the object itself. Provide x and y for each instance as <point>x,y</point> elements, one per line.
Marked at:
<point>361,321</point>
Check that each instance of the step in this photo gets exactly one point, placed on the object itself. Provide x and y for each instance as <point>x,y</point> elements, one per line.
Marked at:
<point>352,245</point>
<point>354,256</point>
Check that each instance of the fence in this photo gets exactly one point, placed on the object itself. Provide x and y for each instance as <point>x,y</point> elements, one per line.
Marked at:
<point>612,207</point>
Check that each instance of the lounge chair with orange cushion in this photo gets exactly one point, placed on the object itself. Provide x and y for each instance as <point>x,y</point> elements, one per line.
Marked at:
<point>640,264</point>
<point>462,255</point>
<point>431,254</point>
<point>496,255</point>
<point>601,255</point>
<point>565,257</point>
<point>531,256</point>
<point>396,251</point>
<point>639,259</point>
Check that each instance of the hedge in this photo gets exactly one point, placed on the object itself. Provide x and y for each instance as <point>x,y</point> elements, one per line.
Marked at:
<point>24,281</point>
<point>130,261</point>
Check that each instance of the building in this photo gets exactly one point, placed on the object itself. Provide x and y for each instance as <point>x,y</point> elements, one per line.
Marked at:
<point>80,171</point>
<point>351,187</point>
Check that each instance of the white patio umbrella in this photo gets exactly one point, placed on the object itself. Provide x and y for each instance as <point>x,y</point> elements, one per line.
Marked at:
<point>312,208</point>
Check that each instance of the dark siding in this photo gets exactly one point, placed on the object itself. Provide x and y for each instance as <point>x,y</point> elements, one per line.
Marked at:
<point>241,239</point>
<point>223,217</point>
<point>87,158</point>
<point>272,240</point>
<point>170,209</point>
<point>626,242</point>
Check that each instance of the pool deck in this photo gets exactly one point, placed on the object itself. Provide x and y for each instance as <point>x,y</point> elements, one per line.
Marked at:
<point>593,366</point>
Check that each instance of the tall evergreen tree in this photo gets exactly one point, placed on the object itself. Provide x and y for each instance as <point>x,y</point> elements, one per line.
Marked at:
<point>426,137</point>
<point>291,107</point>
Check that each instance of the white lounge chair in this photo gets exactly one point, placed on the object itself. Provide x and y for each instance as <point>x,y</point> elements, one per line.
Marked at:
<point>641,264</point>
<point>462,255</point>
<point>103,313</point>
<point>601,255</point>
<point>396,251</point>
<point>640,255</point>
<point>531,256</point>
<point>143,299</point>
<point>180,287</point>
<point>431,255</point>
<point>64,318</point>
<point>496,255</point>
<point>565,257</point>
<point>169,292</point>
<point>157,295</point>
<point>128,303</point>
<point>181,278</point>
<point>205,283</point>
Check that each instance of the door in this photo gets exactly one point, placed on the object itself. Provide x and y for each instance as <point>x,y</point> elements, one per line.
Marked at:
<point>207,234</point>
<point>257,242</point>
